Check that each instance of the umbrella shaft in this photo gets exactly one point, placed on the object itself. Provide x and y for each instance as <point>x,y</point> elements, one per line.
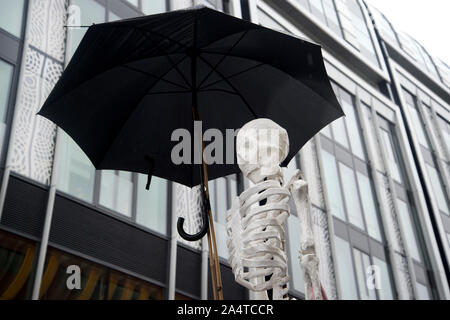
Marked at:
<point>216,278</point>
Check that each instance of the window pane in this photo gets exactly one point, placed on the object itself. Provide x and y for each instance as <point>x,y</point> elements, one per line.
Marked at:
<point>385,289</point>
<point>418,127</point>
<point>289,171</point>
<point>268,22</point>
<point>422,292</point>
<point>352,125</point>
<point>116,191</point>
<point>317,9</point>
<point>17,266</point>
<point>345,271</point>
<point>153,6</point>
<point>221,200</point>
<point>327,132</point>
<point>362,32</point>
<point>233,189</point>
<point>362,262</point>
<point>212,195</point>
<point>351,196</point>
<point>6,74</point>
<point>113,17</point>
<point>11,16</point>
<point>389,149</point>
<point>294,247</point>
<point>408,230</point>
<point>332,185</point>
<point>90,12</point>
<point>340,132</point>
<point>134,2</point>
<point>331,16</point>
<point>445,129</point>
<point>438,189</point>
<point>221,235</point>
<point>151,206</point>
<point>76,174</point>
<point>368,202</point>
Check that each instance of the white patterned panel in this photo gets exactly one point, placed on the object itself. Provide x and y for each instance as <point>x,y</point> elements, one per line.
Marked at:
<point>33,137</point>
<point>323,251</point>
<point>392,228</point>
<point>46,31</point>
<point>188,206</point>
<point>404,287</point>
<point>310,168</point>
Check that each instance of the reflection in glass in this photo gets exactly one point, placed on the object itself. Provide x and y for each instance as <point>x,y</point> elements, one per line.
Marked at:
<point>151,205</point>
<point>351,196</point>
<point>16,266</point>
<point>345,270</point>
<point>97,282</point>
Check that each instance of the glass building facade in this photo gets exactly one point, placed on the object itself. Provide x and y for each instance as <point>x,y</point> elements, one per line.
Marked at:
<point>378,177</point>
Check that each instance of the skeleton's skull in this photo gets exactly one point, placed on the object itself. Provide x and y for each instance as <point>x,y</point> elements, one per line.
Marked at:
<point>261,146</point>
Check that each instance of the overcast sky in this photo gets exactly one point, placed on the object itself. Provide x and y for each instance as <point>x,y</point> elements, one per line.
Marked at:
<point>428,21</point>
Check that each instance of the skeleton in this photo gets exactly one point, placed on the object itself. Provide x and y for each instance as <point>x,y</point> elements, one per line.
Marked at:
<point>256,221</point>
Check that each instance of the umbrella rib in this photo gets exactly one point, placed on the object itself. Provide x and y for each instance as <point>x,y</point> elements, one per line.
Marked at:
<point>223,57</point>
<point>158,78</point>
<point>219,90</point>
<point>165,54</point>
<point>234,75</point>
<point>153,32</point>
<point>231,86</point>
<point>167,92</point>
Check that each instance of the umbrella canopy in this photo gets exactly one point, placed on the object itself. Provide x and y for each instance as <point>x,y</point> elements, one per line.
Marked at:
<point>131,83</point>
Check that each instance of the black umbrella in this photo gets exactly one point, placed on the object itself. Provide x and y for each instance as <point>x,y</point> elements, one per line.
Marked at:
<point>131,83</point>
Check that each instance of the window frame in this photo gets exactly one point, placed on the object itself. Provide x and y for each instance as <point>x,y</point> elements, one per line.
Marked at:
<point>11,51</point>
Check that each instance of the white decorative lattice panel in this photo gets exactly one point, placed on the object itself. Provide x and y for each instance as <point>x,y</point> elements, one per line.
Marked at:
<point>321,231</point>
<point>33,137</point>
<point>404,286</point>
<point>392,228</point>
<point>188,206</point>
